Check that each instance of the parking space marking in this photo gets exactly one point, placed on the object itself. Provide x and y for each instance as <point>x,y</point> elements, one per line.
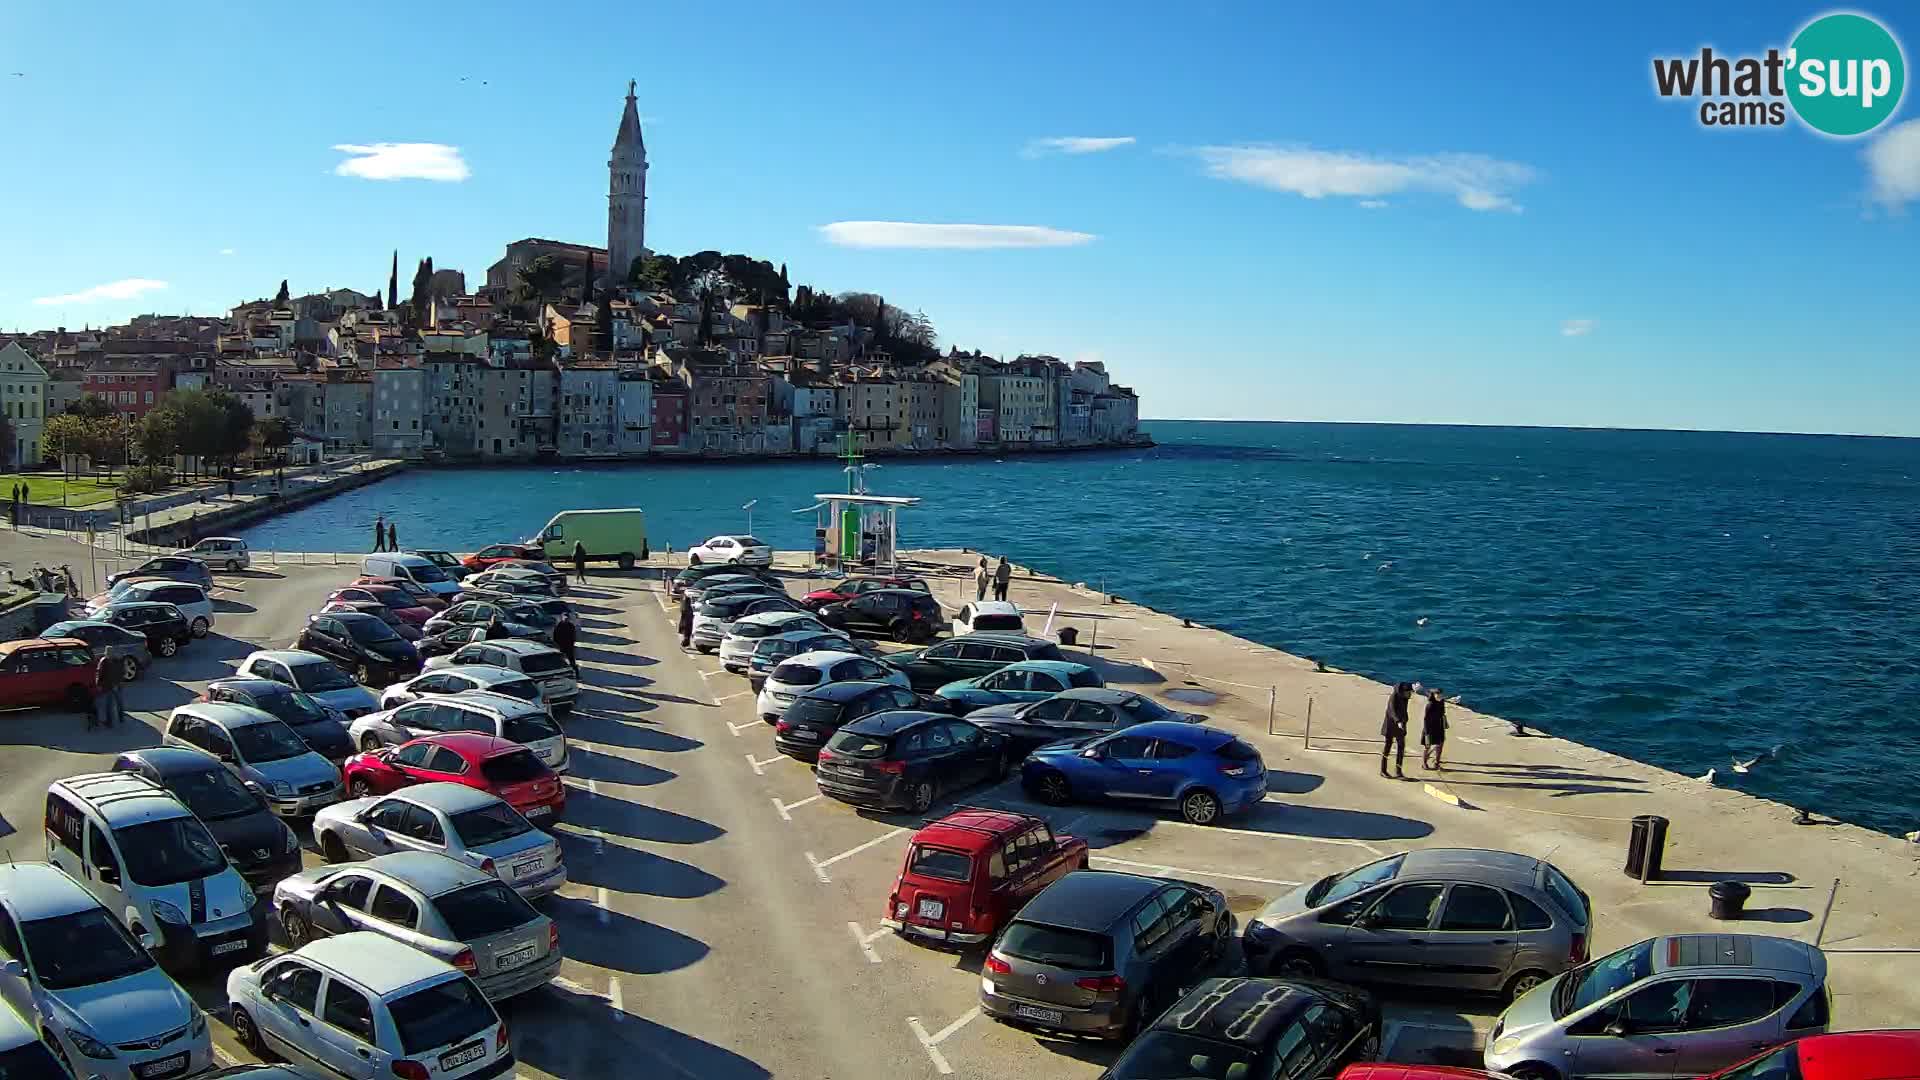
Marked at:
<point>606,909</point>
<point>783,808</point>
<point>738,728</point>
<point>1163,870</point>
<point>1338,841</point>
<point>225,1059</point>
<point>866,940</point>
<point>931,1043</point>
<point>730,697</point>
<point>711,674</point>
<point>615,999</point>
<point>820,865</point>
<point>760,767</point>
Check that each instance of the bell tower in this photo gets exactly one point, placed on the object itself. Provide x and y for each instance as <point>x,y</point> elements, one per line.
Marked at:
<point>626,195</point>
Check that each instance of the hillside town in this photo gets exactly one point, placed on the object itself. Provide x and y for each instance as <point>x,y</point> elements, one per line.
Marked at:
<point>571,351</point>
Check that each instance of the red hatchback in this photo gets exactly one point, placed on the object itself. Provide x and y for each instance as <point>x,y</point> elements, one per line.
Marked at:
<point>47,671</point>
<point>966,874</point>
<point>499,766</point>
<point>494,553</point>
<point>854,586</point>
<point>1845,1055</point>
<point>395,601</point>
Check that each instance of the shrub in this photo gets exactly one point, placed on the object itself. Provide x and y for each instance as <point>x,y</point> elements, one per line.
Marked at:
<point>145,479</point>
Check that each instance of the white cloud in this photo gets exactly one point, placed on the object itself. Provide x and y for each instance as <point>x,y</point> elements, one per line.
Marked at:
<point>1893,164</point>
<point>915,234</point>
<point>402,161</point>
<point>1577,327</point>
<point>1476,181</point>
<point>1075,144</point>
<point>124,289</point>
<point>227,251</point>
<point>1372,204</point>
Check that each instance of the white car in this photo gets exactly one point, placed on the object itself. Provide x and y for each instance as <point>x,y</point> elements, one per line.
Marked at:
<point>736,647</point>
<point>541,663</point>
<point>458,680</point>
<point>191,599</point>
<point>796,676</point>
<point>734,550</point>
<point>988,617</point>
<point>479,711</point>
<point>228,552</point>
<point>363,1005</point>
<point>69,968</point>
<point>461,822</point>
<point>311,674</point>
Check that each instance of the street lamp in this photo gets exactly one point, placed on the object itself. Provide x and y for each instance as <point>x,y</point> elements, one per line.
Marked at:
<point>750,504</point>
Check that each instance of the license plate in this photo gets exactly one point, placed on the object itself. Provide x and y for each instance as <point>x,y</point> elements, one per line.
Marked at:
<point>166,1066</point>
<point>526,869</point>
<point>1045,1016</point>
<point>784,698</point>
<point>226,947</point>
<point>932,909</point>
<point>805,735</point>
<point>463,1055</point>
<point>537,811</point>
<point>515,958</point>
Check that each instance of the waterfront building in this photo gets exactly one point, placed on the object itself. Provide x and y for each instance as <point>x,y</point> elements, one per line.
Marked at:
<point>1022,405</point>
<point>626,194</point>
<point>959,403</point>
<point>919,404</point>
<point>635,412</point>
<point>257,397</point>
<point>399,410</point>
<point>63,390</point>
<point>230,373</point>
<point>23,396</point>
<point>872,402</point>
<point>462,339</point>
<point>132,385</point>
<point>347,405</point>
<point>670,396</point>
<point>726,402</point>
<point>588,407</point>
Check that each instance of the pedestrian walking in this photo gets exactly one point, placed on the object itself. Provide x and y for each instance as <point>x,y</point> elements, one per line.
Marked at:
<point>1002,575</point>
<point>393,537</point>
<point>1394,730</point>
<point>380,532</point>
<point>1433,731</point>
<point>108,708</point>
<point>229,487</point>
<point>580,561</point>
<point>686,623</point>
<point>981,575</point>
<point>563,635</point>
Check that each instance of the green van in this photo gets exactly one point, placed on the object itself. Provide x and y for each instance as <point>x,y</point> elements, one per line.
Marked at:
<point>616,535</point>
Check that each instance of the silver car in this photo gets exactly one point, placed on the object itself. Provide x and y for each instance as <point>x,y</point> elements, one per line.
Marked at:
<point>460,822</point>
<point>442,907</point>
<point>311,674</point>
<point>1687,1005</point>
<point>458,681</point>
<point>262,751</point>
<point>481,711</point>
<point>1457,918</point>
<point>541,663</point>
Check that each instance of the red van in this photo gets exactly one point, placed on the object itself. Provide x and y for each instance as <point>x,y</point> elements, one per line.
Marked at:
<point>47,671</point>
<point>968,873</point>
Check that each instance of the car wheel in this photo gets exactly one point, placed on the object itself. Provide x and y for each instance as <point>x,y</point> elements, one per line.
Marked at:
<point>295,928</point>
<point>1200,808</point>
<point>247,1034</point>
<point>199,628</point>
<point>369,743</point>
<point>1001,766</point>
<point>693,560</point>
<point>167,647</point>
<point>1053,789</point>
<point>359,788</point>
<point>1297,964</point>
<point>922,797</point>
<point>332,849</point>
<point>1519,986</point>
<point>364,675</point>
<point>1370,1046</point>
<point>79,700</point>
<point>129,669</point>
<point>233,566</point>
<point>626,560</point>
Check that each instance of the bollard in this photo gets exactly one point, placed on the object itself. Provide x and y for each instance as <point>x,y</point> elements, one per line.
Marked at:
<point>1306,740</point>
<point>1646,847</point>
<point>1728,899</point>
<point>1273,696</point>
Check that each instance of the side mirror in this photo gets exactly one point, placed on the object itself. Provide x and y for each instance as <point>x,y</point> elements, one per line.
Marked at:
<point>109,874</point>
<point>13,969</point>
<point>1093,753</point>
<point>149,940</point>
<point>1618,1028</point>
<point>1369,921</point>
<point>254,787</point>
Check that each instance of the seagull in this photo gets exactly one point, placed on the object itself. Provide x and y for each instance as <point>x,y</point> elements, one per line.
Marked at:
<point>1707,779</point>
<point>1383,567</point>
<point>1743,766</point>
<point>1366,554</point>
<point>1914,837</point>
<point>1421,621</point>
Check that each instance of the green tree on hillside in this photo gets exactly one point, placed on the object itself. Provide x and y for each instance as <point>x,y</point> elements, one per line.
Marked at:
<point>91,405</point>
<point>542,278</point>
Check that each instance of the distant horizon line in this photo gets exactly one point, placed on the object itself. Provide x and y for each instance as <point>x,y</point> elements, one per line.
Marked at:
<point>1532,427</point>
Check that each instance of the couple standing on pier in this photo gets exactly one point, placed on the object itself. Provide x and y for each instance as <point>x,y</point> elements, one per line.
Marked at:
<point>1433,731</point>
<point>1000,576</point>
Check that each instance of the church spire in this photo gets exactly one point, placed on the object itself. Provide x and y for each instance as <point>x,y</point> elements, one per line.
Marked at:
<point>629,137</point>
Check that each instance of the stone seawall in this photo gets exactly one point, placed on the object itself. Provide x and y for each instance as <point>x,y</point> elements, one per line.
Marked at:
<point>161,530</point>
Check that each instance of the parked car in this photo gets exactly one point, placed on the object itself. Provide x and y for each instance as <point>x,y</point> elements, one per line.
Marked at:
<point>1074,714</point>
<point>1684,1005</point>
<point>619,534</point>
<point>1848,1055</point>
<point>227,552</point>
<point>817,670</point>
<point>408,608</point>
<point>541,663</point>
<point>442,682</point>
<point>143,853</point>
<point>851,587</point>
<point>736,648</point>
<point>1256,1027</point>
<point>48,671</point>
<point>448,638</point>
<point>407,631</point>
<point>968,657</point>
<point>443,907</point>
<point>481,612</point>
<point>261,751</point>
<point>494,553</point>
<point>966,874</point>
<point>361,644</point>
<point>164,626</point>
<point>1101,953</point>
<point>502,580</point>
<point>311,674</point>
<point>546,571</point>
<point>718,587</point>
<point>76,977</point>
<point>104,639</point>
<point>1454,918</point>
<point>364,1005</point>
<point>899,614</point>
<point>771,652</point>
<point>484,712</point>
<point>419,594</point>
<point>989,616</point>
<point>719,578</point>
<point>24,1054</point>
<point>175,567</point>
<point>812,718</point>
<point>906,758</point>
<point>731,550</point>
<point>1204,772</point>
<point>500,766</point>
<point>416,569</point>
<point>1016,684</point>
<point>256,841</point>
<point>713,617</point>
<point>192,600</point>
<point>445,561</point>
<point>456,820</point>
<point>680,581</point>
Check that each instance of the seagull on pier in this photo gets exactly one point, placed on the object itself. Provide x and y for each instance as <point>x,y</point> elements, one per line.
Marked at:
<point>1707,779</point>
<point>1914,837</point>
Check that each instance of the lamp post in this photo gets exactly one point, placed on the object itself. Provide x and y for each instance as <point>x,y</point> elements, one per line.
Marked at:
<point>750,504</point>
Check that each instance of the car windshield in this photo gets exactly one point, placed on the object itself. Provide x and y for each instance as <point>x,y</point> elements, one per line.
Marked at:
<point>1169,1055</point>
<point>388,595</point>
<point>169,852</point>
<point>427,574</point>
<point>522,689</point>
<point>751,541</point>
<point>795,675</point>
<point>292,706</point>
<point>261,743</point>
<point>482,910</point>
<point>1087,677</point>
<point>1608,975</point>
<point>543,663</point>
<point>81,949</point>
<point>997,622</point>
<point>529,614</point>
<point>370,631</point>
<point>1056,946</point>
<point>940,863</point>
<point>854,744</point>
<point>443,1014</point>
<point>213,794</point>
<point>1139,710</point>
<point>529,727</point>
<point>1337,887</point>
<point>516,767</point>
<point>30,1061</point>
<point>489,825</point>
<point>756,630</point>
<point>321,677</point>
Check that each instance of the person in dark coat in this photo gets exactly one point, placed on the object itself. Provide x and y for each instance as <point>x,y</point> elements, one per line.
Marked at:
<point>686,622</point>
<point>1433,731</point>
<point>1002,576</point>
<point>380,533</point>
<point>1394,730</point>
<point>108,708</point>
<point>393,537</point>
<point>580,561</point>
<point>495,628</point>
<point>563,640</point>
<point>981,575</point>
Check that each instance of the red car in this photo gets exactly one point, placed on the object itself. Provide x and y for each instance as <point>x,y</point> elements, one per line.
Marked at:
<point>1846,1055</point>
<point>499,766</point>
<point>966,874</point>
<point>395,601</point>
<point>1383,1070</point>
<point>494,553</point>
<point>854,586</point>
<point>406,630</point>
<point>413,589</point>
<point>47,671</point>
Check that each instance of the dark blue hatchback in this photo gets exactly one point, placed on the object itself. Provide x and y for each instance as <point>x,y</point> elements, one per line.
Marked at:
<point>904,758</point>
<point>1205,772</point>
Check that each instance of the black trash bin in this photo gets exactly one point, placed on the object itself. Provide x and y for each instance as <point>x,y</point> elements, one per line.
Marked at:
<point>1729,899</point>
<point>1069,635</point>
<point>1646,847</point>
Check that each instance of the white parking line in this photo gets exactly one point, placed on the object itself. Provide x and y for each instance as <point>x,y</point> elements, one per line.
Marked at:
<point>615,999</point>
<point>931,1043</point>
<point>820,865</point>
<point>225,1059</point>
<point>866,940</point>
<point>730,697</point>
<point>711,674</point>
<point>783,808</point>
<point>593,787</point>
<point>738,728</point>
<point>760,767</point>
<point>606,909</point>
<point>1163,870</point>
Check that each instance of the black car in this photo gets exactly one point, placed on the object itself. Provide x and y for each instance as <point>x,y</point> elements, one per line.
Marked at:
<point>905,758</point>
<point>969,656</point>
<point>449,637</point>
<point>324,730</point>
<point>815,715</point>
<point>360,644</point>
<point>164,626</point>
<point>679,582</point>
<point>901,614</point>
<point>258,844</point>
<point>1072,714</point>
<point>177,567</point>
<point>1256,1027</point>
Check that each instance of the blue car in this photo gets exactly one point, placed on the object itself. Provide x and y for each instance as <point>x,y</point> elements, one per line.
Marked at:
<point>1205,772</point>
<point>1028,680</point>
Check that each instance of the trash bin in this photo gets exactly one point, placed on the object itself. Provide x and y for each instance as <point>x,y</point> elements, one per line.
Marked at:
<point>1729,899</point>
<point>1646,847</point>
<point>1069,635</point>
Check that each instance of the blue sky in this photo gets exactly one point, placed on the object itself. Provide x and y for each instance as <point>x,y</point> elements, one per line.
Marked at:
<point>1532,184</point>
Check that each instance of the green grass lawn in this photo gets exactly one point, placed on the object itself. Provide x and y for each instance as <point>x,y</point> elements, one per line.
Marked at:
<point>45,488</point>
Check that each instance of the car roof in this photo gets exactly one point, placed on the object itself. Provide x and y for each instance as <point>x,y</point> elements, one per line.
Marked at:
<point>37,890</point>
<point>74,623</point>
<point>446,798</point>
<point>227,714</point>
<point>1471,864</point>
<point>997,638</point>
<point>524,648</point>
<point>488,674</point>
<point>995,607</point>
<point>842,691</point>
<point>1058,667</point>
<point>1396,1070</point>
<point>915,593</point>
<point>164,583</point>
<point>405,558</point>
<point>1737,951</point>
<point>7,648</point>
<point>375,961</point>
<point>138,605</point>
<point>816,658</point>
<point>171,761</point>
<point>1860,1055</point>
<point>251,684</point>
<point>1089,899</point>
<point>774,618</point>
<point>351,618</point>
<point>1106,695</point>
<point>1198,736</point>
<point>1241,1012</point>
<point>289,657</point>
<point>470,744</point>
<point>125,798</point>
<point>974,828</point>
<point>503,704</point>
<point>893,721</point>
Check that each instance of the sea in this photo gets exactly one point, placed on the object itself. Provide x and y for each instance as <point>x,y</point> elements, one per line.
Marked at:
<point>1687,599</point>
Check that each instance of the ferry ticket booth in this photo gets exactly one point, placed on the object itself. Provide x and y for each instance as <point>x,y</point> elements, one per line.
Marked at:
<point>857,532</point>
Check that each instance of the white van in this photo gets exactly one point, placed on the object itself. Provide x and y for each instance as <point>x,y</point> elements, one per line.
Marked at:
<point>415,568</point>
<point>144,855</point>
<point>618,536</point>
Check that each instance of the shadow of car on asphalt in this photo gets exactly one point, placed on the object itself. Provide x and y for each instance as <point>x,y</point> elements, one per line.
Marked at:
<point>544,1037</point>
<point>610,769</point>
<point>611,659</point>
<point>614,816</point>
<point>620,942</point>
<point>623,869</point>
<point>634,735</point>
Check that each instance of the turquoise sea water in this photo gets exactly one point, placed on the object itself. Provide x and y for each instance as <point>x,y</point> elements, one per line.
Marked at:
<point>1682,598</point>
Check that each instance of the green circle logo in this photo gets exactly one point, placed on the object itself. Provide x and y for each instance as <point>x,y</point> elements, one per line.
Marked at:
<point>1846,74</point>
